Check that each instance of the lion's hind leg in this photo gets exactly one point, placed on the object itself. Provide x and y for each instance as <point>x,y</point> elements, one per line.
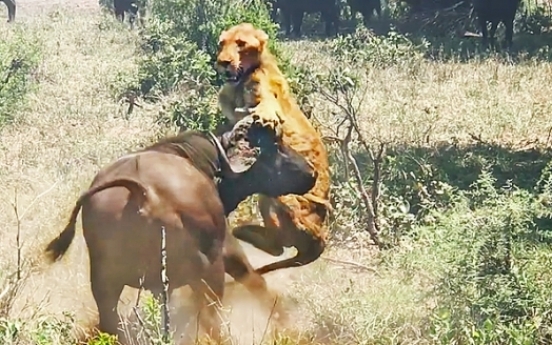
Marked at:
<point>284,228</point>
<point>267,238</point>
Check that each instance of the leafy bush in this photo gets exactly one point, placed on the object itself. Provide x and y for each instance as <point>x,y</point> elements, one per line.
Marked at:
<point>19,56</point>
<point>494,291</point>
<point>179,46</point>
<point>363,47</point>
<point>43,331</point>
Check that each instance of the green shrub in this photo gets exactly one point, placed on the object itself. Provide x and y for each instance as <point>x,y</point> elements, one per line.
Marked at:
<point>19,56</point>
<point>42,331</point>
<point>494,288</point>
<point>179,46</point>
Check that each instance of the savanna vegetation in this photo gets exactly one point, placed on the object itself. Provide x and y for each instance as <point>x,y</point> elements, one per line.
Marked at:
<point>449,142</point>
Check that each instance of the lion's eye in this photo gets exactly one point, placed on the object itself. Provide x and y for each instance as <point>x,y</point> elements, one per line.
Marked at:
<point>240,43</point>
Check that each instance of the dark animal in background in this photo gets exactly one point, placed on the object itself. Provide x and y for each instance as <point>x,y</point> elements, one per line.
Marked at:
<point>293,11</point>
<point>172,184</point>
<point>11,9</point>
<point>366,8</point>
<point>496,11</point>
<point>132,7</point>
<point>273,9</point>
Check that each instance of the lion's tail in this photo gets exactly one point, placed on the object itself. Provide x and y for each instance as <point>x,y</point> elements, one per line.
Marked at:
<point>58,246</point>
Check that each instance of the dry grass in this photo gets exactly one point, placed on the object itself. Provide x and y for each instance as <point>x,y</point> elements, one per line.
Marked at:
<point>73,126</point>
<point>428,102</point>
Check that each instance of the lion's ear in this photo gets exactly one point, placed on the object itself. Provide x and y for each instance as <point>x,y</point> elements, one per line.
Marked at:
<point>262,37</point>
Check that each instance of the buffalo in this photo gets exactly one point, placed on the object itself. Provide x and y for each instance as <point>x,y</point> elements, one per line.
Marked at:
<point>172,184</point>
<point>293,11</point>
<point>132,7</point>
<point>11,9</point>
<point>496,11</point>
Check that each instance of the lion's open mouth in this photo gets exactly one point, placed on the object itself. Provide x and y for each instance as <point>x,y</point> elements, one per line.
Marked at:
<point>236,77</point>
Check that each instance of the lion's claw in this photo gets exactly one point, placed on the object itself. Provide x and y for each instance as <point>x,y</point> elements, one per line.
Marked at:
<point>273,122</point>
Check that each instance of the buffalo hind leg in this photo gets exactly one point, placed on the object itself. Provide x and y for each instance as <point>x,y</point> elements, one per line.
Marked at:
<point>106,291</point>
<point>207,296</point>
<point>238,267</point>
<point>509,24</point>
<point>492,32</point>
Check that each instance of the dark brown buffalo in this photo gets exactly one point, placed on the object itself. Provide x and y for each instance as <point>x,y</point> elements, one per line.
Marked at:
<point>293,11</point>
<point>171,184</point>
<point>134,8</point>
<point>11,9</point>
<point>496,11</point>
<point>366,8</point>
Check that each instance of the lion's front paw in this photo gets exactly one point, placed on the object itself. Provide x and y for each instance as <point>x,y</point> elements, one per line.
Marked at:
<point>269,119</point>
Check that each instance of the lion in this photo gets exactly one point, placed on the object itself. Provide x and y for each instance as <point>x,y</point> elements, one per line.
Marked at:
<point>255,86</point>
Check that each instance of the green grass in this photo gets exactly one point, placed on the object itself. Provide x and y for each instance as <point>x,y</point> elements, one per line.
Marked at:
<point>465,193</point>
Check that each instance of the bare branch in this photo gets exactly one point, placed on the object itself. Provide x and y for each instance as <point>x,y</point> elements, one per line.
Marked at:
<point>350,108</point>
<point>272,310</point>
<point>377,160</point>
<point>352,263</point>
<point>19,219</point>
<point>373,228</point>
<point>137,313</point>
<point>165,321</point>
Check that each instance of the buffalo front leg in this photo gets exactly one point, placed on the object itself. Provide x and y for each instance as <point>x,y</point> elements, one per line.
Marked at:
<point>106,290</point>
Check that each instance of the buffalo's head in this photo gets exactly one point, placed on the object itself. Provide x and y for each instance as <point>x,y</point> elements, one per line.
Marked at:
<point>254,160</point>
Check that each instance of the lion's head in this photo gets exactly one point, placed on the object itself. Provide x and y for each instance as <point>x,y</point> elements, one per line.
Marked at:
<point>240,49</point>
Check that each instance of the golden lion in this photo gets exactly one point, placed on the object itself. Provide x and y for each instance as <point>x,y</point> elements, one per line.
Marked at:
<point>255,86</point>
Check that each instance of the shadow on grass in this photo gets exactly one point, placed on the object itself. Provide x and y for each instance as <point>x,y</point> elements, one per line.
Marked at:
<point>418,174</point>
<point>460,165</point>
